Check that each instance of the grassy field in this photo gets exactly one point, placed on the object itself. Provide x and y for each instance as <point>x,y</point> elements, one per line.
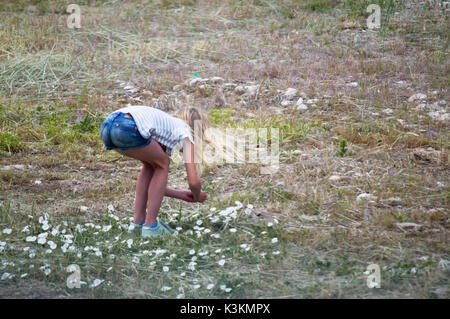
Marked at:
<point>364,139</point>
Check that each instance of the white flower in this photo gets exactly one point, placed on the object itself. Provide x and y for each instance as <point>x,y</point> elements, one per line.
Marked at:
<point>129,242</point>
<point>215,235</point>
<point>215,219</point>
<point>274,240</point>
<point>37,182</point>
<point>192,251</point>
<point>183,274</point>
<point>106,228</point>
<point>269,224</point>
<point>2,243</point>
<point>178,228</point>
<point>45,226</point>
<point>7,231</point>
<point>96,283</point>
<point>180,296</point>
<point>276,252</point>
<point>26,229</point>
<point>55,232</point>
<point>196,286</point>
<point>210,286</point>
<point>42,240</point>
<point>224,288</point>
<point>191,265</point>
<point>194,258</point>
<point>84,208</point>
<point>6,275</point>
<point>165,269</point>
<point>212,209</point>
<point>221,262</point>
<point>32,254</point>
<point>263,254</point>
<point>110,208</point>
<point>23,275</point>
<point>52,245</point>
<point>232,230</point>
<point>46,269</point>
<point>98,253</point>
<point>109,269</point>
<point>166,288</point>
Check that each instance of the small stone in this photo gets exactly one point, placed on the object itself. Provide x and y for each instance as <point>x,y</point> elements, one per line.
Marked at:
<point>417,96</point>
<point>301,107</point>
<point>365,197</point>
<point>290,93</point>
<point>412,226</point>
<point>217,80</point>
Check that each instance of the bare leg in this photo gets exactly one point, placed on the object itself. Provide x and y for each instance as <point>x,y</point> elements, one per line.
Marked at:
<point>155,156</point>
<point>143,182</point>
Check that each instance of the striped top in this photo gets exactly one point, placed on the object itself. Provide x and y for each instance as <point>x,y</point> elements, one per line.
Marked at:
<point>164,128</point>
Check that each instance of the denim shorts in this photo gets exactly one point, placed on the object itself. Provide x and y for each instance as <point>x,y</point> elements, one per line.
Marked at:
<point>120,132</point>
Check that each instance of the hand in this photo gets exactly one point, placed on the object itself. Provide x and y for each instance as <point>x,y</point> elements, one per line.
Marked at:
<point>187,196</point>
<point>203,196</point>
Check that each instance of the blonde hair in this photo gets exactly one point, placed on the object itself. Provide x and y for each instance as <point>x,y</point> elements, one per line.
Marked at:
<point>202,131</point>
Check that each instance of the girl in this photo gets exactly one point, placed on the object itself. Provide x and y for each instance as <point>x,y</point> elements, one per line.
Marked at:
<point>149,135</point>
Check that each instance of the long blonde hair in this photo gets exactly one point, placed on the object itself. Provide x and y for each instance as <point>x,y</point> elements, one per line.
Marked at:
<point>202,131</point>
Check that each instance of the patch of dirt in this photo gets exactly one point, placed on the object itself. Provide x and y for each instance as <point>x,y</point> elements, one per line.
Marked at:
<point>34,290</point>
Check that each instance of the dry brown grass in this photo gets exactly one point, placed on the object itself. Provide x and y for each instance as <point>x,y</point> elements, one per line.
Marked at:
<point>331,237</point>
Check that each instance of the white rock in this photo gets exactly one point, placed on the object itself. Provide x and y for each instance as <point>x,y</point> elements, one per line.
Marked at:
<point>290,93</point>
<point>286,103</point>
<point>250,90</point>
<point>84,208</point>
<point>365,197</point>
<point>417,96</point>
<point>239,89</point>
<point>9,167</point>
<point>334,178</point>
<point>217,79</point>
<point>401,84</point>
<point>408,225</point>
<point>439,116</point>
<point>301,107</point>
<point>194,81</point>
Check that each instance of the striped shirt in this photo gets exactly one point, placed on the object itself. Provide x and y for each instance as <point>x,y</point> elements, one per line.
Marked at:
<point>160,126</point>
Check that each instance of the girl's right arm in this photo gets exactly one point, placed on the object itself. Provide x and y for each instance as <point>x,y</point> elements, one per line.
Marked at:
<point>194,182</point>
